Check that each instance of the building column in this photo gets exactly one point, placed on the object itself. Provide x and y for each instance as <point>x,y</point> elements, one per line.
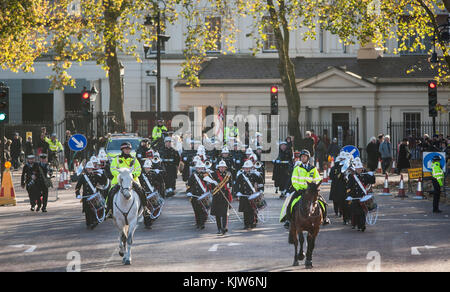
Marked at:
<point>371,125</point>
<point>385,116</point>
<point>59,110</point>
<point>315,114</point>
<point>359,115</point>
<point>303,113</point>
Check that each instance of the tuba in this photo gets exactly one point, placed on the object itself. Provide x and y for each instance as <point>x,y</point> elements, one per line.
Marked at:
<point>258,164</point>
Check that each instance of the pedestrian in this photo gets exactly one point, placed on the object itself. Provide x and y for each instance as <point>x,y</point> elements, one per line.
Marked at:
<point>438,181</point>
<point>308,144</point>
<point>333,149</point>
<point>321,153</point>
<point>16,149</point>
<point>372,154</point>
<point>404,155</point>
<point>44,182</point>
<point>28,147</point>
<point>386,154</point>
<point>28,179</point>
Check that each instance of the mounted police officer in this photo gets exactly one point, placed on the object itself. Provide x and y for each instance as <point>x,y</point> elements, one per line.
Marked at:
<point>303,174</point>
<point>89,181</point>
<point>171,159</point>
<point>125,160</point>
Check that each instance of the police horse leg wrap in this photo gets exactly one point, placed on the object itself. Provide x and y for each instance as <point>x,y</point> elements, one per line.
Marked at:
<point>126,212</point>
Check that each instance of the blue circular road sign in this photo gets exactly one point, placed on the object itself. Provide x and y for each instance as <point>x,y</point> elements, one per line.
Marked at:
<point>352,150</point>
<point>77,142</point>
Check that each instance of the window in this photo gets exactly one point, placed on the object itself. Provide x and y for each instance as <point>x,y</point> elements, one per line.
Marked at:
<point>152,97</point>
<point>426,41</point>
<point>215,28</point>
<point>412,124</point>
<point>270,43</point>
<point>321,41</point>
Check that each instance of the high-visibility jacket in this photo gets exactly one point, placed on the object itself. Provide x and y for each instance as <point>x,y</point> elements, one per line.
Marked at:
<point>157,132</point>
<point>302,176</point>
<point>231,132</point>
<point>437,173</point>
<point>54,146</point>
<point>122,162</point>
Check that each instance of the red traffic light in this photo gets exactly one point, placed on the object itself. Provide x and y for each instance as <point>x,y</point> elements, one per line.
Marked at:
<point>432,85</point>
<point>274,89</point>
<point>85,95</point>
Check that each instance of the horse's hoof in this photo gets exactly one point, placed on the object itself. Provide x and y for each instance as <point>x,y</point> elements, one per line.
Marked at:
<point>121,253</point>
<point>301,256</point>
<point>128,262</point>
<point>295,264</point>
<point>308,265</point>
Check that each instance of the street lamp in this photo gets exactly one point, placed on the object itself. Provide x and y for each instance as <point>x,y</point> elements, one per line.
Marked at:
<point>160,38</point>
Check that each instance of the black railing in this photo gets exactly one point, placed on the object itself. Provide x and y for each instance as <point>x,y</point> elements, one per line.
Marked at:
<point>415,133</point>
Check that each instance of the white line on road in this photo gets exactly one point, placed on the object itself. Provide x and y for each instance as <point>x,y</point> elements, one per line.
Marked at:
<point>30,249</point>
<point>215,246</point>
<point>415,249</point>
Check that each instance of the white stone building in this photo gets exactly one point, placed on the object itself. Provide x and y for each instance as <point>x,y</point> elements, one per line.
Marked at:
<point>336,84</point>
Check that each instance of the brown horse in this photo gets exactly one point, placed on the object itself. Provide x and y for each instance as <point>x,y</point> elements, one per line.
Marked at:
<point>307,216</point>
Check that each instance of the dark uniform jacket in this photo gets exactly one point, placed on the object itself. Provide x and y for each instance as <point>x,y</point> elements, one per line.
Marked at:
<point>241,185</point>
<point>155,179</point>
<point>282,171</point>
<point>337,190</point>
<point>221,198</point>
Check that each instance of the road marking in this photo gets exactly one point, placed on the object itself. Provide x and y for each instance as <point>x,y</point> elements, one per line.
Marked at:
<point>30,249</point>
<point>415,249</point>
<point>216,246</point>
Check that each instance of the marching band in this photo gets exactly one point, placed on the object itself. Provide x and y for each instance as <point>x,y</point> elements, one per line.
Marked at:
<point>214,178</point>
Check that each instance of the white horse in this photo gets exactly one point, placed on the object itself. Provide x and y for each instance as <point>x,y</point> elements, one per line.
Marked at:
<point>126,206</point>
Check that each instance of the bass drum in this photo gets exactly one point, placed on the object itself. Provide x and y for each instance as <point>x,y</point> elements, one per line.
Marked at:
<point>370,207</point>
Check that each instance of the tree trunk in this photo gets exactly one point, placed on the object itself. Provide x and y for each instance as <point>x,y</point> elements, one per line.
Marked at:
<point>116,98</point>
<point>116,91</point>
<point>287,72</point>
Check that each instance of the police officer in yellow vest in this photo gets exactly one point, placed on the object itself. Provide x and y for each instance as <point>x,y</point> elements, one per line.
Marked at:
<point>158,130</point>
<point>53,145</point>
<point>232,132</point>
<point>125,160</point>
<point>303,174</point>
<point>438,181</point>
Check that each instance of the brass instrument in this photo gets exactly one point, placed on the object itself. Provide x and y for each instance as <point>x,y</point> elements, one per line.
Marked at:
<point>258,164</point>
<point>221,184</point>
<point>156,160</point>
<point>208,164</point>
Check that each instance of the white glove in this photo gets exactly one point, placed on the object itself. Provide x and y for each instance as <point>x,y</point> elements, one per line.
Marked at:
<point>79,197</point>
<point>189,194</point>
<point>157,171</point>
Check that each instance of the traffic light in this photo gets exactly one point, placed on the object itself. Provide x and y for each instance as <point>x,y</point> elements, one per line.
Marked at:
<point>432,98</point>
<point>85,102</point>
<point>4,103</point>
<point>274,100</point>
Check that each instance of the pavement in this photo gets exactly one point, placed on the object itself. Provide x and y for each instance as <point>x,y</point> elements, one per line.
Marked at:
<point>406,237</point>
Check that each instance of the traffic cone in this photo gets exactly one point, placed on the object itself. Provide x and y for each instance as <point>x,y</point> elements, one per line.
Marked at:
<point>61,180</point>
<point>379,170</point>
<point>393,166</point>
<point>66,172</point>
<point>401,189</point>
<point>419,192</point>
<point>386,187</point>
<point>332,162</point>
<point>7,193</point>
<point>325,176</point>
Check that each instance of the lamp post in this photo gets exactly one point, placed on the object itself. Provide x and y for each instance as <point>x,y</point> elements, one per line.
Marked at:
<point>160,38</point>
<point>441,34</point>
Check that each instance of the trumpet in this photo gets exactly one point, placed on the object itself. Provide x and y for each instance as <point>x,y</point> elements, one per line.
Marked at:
<point>156,160</point>
<point>258,164</point>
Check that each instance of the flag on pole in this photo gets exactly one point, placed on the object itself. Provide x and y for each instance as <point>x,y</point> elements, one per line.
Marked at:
<point>220,118</point>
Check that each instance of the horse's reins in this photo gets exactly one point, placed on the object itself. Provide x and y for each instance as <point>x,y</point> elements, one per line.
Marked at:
<point>129,210</point>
